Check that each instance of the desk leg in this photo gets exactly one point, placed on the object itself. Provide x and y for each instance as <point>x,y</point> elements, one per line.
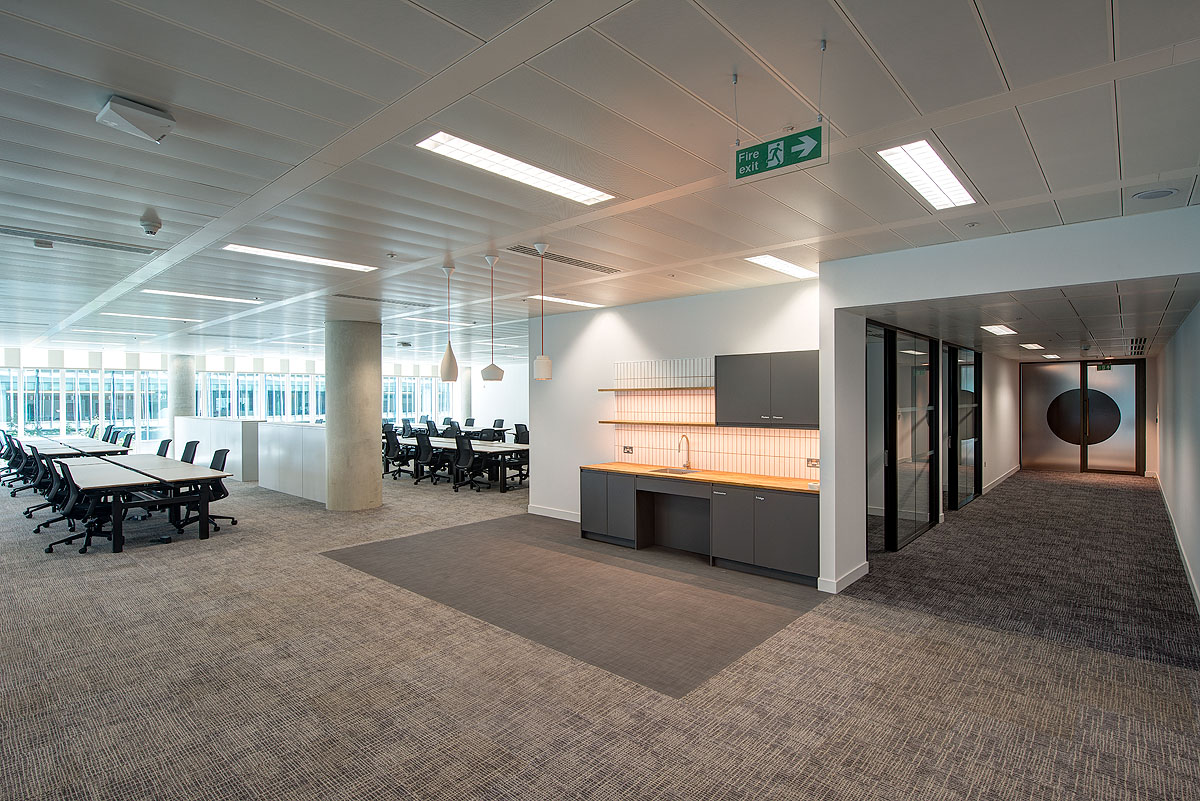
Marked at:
<point>204,511</point>
<point>118,511</point>
<point>503,471</point>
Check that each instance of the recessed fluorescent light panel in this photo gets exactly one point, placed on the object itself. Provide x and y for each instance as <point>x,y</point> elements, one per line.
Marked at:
<point>1031,346</point>
<point>998,330</point>
<point>1051,356</point>
<point>111,333</point>
<point>914,352</point>
<point>567,301</point>
<point>151,317</point>
<point>451,146</point>
<point>921,166</point>
<point>250,301</point>
<point>781,266</point>
<point>300,257</point>
<point>431,320</point>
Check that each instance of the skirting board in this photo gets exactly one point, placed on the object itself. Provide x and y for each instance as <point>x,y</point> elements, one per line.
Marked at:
<point>1187,567</point>
<point>848,578</point>
<point>990,486</point>
<point>547,511</point>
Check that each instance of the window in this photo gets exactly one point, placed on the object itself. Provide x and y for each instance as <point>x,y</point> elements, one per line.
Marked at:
<point>427,393</point>
<point>10,403</point>
<point>301,387</point>
<point>276,395</point>
<point>152,385</point>
<point>119,391</point>
<point>319,397</point>
<point>81,396</point>
<point>247,391</point>
<point>389,398</point>
<point>43,412</point>
<point>408,398</point>
<point>445,400</point>
<point>220,395</point>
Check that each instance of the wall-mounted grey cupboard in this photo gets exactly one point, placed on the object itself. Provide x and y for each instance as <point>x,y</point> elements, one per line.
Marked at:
<point>768,390</point>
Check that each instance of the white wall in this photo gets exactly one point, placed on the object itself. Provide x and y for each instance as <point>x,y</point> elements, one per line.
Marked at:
<point>584,346</point>
<point>1179,440</point>
<point>1001,419</point>
<point>508,398</point>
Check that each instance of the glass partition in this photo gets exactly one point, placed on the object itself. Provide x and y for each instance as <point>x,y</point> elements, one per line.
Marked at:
<point>247,394</point>
<point>120,392</point>
<point>153,405</point>
<point>81,400</point>
<point>43,415</point>
<point>301,388</point>
<point>10,400</point>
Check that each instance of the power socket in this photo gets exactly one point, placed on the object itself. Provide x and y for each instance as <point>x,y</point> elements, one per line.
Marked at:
<point>627,449</point>
<point>814,462</point>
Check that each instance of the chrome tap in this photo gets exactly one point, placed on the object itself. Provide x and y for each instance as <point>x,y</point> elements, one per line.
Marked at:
<point>687,461</point>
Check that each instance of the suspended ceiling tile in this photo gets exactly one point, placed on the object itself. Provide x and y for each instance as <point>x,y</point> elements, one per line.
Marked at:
<point>995,153</point>
<point>1184,300</point>
<point>881,242</point>
<point>816,201</point>
<point>764,210</point>
<point>1175,318</point>
<point>1135,205</point>
<point>1146,302</point>
<point>1037,41</point>
<point>1075,137</point>
<point>934,233</point>
<point>857,95</point>
<point>678,248</point>
<point>710,216</point>
<point>985,223</point>
<point>1160,114</point>
<point>1141,285</point>
<point>861,181</point>
<point>1096,306</point>
<point>1027,218</point>
<point>1142,26</point>
<point>552,105</point>
<point>1089,207</point>
<point>1051,310</point>
<point>1090,290</point>
<point>668,224</point>
<point>938,51</point>
<point>834,249</point>
<point>485,20</point>
<point>702,59</point>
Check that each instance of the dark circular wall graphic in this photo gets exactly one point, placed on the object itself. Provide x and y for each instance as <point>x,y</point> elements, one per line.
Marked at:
<point>1063,416</point>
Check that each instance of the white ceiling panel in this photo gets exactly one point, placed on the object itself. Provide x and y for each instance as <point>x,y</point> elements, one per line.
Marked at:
<point>703,60</point>
<point>882,242</point>
<point>1144,26</point>
<point>1027,218</point>
<point>861,181</point>
<point>816,201</point>
<point>1097,306</point>
<point>938,51</point>
<point>934,233</point>
<point>677,248</point>
<point>485,20</point>
<point>996,155</point>
<point>1075,137</point>
<point>730,224</point>
<point>1089,207</point>
<point>666,223</point>
<point>858,93</point>
<point>1140,205</point>
<point>764,210</point>
<point>1053,309</point>
<point>42,196</point>
<point>834,249</point>
<point>1160,114</point>
<point>1068,36</point>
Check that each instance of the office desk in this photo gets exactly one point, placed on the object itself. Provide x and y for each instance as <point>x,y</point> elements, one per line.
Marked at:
<point>501,449</point>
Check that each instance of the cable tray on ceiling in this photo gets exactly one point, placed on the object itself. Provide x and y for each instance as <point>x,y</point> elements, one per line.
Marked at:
<point>586,265</point>
<point>62,239</point>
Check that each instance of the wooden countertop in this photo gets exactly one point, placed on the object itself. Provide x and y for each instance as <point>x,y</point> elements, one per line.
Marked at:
<point>708,476</point>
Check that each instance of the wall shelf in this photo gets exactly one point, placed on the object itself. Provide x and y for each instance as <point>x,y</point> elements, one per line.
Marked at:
<point>648,389</point>
<point>654,423</point>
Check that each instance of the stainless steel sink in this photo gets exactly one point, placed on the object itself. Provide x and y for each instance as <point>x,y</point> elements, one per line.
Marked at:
<point>675,470</point>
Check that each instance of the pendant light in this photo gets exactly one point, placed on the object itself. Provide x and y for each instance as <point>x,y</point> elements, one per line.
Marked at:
<point>449,367</point>
<point>492,372</point>
<point>541,365</point>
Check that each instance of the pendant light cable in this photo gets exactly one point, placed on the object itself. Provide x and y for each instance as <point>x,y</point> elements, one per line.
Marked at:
<point>542,311</point>
<point>737,128</point>
<point>821,83</point>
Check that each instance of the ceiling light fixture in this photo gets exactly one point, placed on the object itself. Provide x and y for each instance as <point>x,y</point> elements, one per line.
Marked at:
<point>1031,346</point>
<point>448,370</point>
<point>781,266</point>
<point>998,330</point>
<point>493,372</point>
<point>542,368</point>
<point>567,301</point>
<point>114,333</point>
<point>923,168</point>
<point>151,317</point>
<point>451,146</point>
<point>431,321</point>
<point>1155,194</point>
<point>195,296</point>
<point>915,352</point>
<point>1051,356</point>
<point>300,257</point>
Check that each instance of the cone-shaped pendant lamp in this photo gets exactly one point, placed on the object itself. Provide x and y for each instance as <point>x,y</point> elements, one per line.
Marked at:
<point>541,365</point>
<point>449,367</point>
<point>492,372</point>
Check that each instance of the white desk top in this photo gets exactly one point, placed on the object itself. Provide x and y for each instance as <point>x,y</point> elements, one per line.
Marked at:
<point>476,445</point>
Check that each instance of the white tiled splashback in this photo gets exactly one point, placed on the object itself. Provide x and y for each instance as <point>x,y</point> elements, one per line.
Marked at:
<point>764,451</point>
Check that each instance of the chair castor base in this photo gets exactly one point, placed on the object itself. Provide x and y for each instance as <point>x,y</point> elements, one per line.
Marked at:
<point>166,538</point>
<point>50,549</point>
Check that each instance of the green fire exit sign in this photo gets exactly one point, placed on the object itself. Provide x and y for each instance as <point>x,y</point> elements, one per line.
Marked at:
<point>796,150</point>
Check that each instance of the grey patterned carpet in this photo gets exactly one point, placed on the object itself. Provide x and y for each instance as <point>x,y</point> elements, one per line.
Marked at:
<point>252,667</point>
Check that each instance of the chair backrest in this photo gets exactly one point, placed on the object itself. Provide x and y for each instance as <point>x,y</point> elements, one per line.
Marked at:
<point>73,493</point>
<point>114,436</point>
<point>453,427</point>
<point>407,431</point>
<point>107,430</point>
<point>40,464</point>
<point>424,448</point>
<point>393,444</point>
<point>522,434</point>
<point>128,440</point>
<point>389,427</point>
<point>189,451</point>
<point>431,429</point>
<point>218,460</point>
<point>424,418</point>
<point>466,453</point>
<point>58,488</point>
<point>91,432</point>
<point>498,422</point>
<point>446,421</point>
<point>488,435</point>
<point>163,447</point>
<point>470,422</point>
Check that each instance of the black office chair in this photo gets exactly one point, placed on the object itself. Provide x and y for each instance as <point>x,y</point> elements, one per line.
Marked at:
<point>219,492</point>
<point>452,430</point>
<point>446,421</point>
<point>424,418</point>
<point>431,460</point>
<point>470,467</point>
<point>91,432</point>
<point>82,507</point>
<point>489,435</point>
<point>431,429</point>
<point>189,451</point>
<point>115,436</point>
<point>107,430</point>
<point>33,473</point>
<point>396,456</point>
<point>522,437</point>
<point>407,430</point>
<point>389,427</point>
<point>470,422</point>
<point>58,495</point>
<point>48,487</point>
<point>164,447</point>
<point>128,443</point>
<point>498,422</point>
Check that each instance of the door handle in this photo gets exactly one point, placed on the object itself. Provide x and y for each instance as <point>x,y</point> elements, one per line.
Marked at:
<point>765,416</point>
<point>716,492</point>
<point>776,417</point>
<point>759,498</point>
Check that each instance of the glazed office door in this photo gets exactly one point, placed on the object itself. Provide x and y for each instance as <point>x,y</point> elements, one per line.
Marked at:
<point>1113,418</point>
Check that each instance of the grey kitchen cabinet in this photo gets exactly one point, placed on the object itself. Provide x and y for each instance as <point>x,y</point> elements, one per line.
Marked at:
<point>732,523</point>
<point>743,389</point>
<point>768,390</point>
<point>787,531</point>
<point>622,506</point>
<point>593,501</point>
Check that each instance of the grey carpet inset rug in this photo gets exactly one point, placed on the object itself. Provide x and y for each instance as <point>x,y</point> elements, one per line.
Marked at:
<point>655,617</point>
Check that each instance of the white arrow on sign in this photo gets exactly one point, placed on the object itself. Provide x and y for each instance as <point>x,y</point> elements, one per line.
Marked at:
<point>806,145</point>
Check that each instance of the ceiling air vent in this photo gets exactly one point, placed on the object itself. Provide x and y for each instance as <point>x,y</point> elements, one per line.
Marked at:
<point>587,265</point>
<point>411,303</point>
<point>1137,346</point>
<point>42,236</point>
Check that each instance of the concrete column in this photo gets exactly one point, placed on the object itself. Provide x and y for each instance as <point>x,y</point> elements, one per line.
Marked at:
<point>353,411</point>
<point>181,389</point>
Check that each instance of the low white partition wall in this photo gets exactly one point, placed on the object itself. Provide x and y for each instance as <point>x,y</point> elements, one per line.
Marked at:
<point>291,459</point>
<point>213,433</point>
